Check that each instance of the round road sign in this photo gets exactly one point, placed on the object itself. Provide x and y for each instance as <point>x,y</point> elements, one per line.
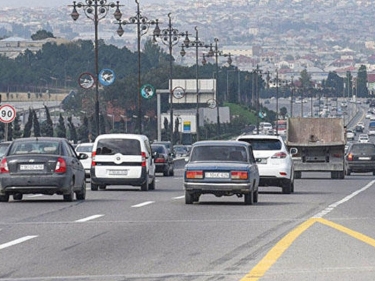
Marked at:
<point>7,113</point>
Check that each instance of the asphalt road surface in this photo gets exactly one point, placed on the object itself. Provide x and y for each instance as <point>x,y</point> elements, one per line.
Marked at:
<point>324,231</point>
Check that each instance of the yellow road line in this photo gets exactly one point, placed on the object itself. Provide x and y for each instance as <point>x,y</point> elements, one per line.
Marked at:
<point>275,253</point>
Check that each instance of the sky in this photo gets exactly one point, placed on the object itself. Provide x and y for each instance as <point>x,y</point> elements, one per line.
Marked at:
<point>59,3</point>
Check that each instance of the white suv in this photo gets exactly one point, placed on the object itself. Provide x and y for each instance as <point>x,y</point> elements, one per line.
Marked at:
<point>122,159</point>
<point>274,161</point>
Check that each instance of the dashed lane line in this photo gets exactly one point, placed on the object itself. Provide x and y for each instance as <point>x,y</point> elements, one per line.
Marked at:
<point>17,241</point>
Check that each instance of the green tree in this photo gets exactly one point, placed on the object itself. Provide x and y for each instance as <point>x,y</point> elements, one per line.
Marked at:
<point>61,129</point>
<point>10,132</point>
<point>361,85</point>
<point>83,130</point>
<point>17,133</point>
<point>42,34</point>
<point>28,125</point>
<point>47,125</point>
<point>348,84</point>
<point>72,130</point>
<point>36,125</point>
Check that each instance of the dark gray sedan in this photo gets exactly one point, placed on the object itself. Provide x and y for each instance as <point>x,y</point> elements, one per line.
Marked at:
<point>221,168</point>
<point>42,166</point>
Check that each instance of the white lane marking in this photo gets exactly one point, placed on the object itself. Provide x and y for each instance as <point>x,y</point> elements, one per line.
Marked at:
<point>331,207</point>
<point>143,204</point>
<point>179,197</point>
<point>17,241</point>
<point>89,218</point>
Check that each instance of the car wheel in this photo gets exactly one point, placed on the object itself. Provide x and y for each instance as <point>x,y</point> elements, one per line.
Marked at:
<point>94,187</point>
<point>4,198</point>
<point>172,172</point>
<point>348,172</point>
<point>287,186</point>
<point>151,186</point>
<point>297,175</point>
<point>188,198</point>
<point>196,197</point>
<point>249,198</point>
<point>81,195</point>
<point>17,196</point>
<point>70,196</point>
<point>255,196</point>
<point>102,187</point>
<point>144,186</point>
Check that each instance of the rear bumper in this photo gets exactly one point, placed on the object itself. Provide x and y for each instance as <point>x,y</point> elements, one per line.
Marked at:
<point>118,180</point>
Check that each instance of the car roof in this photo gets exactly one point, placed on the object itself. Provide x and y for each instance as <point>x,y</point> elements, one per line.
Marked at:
<point>272,137</point>
<point>221,142</point>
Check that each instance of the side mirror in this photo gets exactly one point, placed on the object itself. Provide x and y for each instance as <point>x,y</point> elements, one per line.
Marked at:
<point>82,156</point>
<point>155,154</point>
<point>293,151</point>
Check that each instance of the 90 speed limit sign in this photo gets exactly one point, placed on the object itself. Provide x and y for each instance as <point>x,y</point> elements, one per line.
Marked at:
<point>7,113</point>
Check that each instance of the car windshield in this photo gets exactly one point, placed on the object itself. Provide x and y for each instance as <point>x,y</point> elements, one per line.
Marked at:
<point>39,147</point>
<point>264,144</point>
<point>158,148</point>
<point>363,149</point>
<point>218,153</point>
<point>123,146</point>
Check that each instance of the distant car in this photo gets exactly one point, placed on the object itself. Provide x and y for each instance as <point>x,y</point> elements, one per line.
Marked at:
<point>43,165</point>
<point>363,138</point>
<point>221,168</point>
<point>360,158</point>
<point>275,163</point>
<point>168,144</point>
<point>163,160</point>
<point>180,151</point>
<point>350,134</point>
<point>85,148</point>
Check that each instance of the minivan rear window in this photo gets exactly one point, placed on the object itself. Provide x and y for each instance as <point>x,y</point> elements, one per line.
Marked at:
<point>114,146</point>
<point>263,144</point>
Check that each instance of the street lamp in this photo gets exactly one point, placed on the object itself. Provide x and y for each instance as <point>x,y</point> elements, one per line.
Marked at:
<point>170,37</point>
<point>96,10</point>
<point>256,73</point>
<point>216,53</point>
<point>197,44</point>
<point>143,24</point>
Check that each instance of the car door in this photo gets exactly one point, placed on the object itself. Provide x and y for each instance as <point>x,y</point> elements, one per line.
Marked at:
<point>77,167</point>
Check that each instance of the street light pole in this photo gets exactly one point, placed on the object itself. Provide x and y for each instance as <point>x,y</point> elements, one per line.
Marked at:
<point>143,25</point>
<point>96,10</point>
<point>256,72</point>
<point>197,44</point>
<point>170,38</point>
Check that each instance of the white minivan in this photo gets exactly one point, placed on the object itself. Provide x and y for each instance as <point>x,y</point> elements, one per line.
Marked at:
<point>122,159</point>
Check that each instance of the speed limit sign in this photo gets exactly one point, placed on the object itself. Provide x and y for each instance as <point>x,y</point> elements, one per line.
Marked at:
<point>7,113</point>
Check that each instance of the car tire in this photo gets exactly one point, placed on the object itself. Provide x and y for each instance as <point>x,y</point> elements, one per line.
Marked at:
<point>287,186</point>
<point>172,172</point>
<point>151,186</point>
<point>166,172</point>
<point>4,198</point>
<point>348,172</point>
<point>17,196</point>
<point>249,198</point>
<point>94,187</point>
<point>70,196</point>
<point>102,186</point>
<point>144,186</point>
<point>255,196</point>
<point>81,195</point>
<point>188,198</point>
<point>196,197</point>
<point>297,175</point>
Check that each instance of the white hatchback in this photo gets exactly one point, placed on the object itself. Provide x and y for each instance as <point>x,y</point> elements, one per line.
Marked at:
<point>85,148</point>
<point>274,161</point>
<point>122,159</point>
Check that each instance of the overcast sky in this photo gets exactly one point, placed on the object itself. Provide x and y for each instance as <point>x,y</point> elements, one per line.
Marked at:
<point>59,3</point>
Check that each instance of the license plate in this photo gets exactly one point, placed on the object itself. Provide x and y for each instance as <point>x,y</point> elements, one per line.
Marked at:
<point>118,172</point>
<point>216,175</point>
<point>31,167</point>
<point>364,158</point>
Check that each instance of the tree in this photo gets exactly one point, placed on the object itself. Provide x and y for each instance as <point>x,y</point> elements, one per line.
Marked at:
<point>61,129</point>
<point>17,128</point>
<point>72,130</point>
<point>361,85</point>
<point>42,34</point>
<point>283,112</point>
<point>47,125</point>
<point>36,125</point>
<point>83,130</point>
<point>28,125</point>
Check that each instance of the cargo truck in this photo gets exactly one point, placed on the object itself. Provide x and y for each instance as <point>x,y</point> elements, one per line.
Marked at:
<point>320,143</point>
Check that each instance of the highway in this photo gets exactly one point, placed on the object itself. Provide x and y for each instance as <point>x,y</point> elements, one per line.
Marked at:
<point>324,231</point>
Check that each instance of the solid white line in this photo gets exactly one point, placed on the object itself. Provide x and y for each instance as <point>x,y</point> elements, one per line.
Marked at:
<point>89,218</point>
<point>17,241</point>
<point>143,204</point>
<point>331,207</point>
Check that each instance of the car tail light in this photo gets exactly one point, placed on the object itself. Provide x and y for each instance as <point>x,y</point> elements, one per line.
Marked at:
<point>160,160</point>
<point>60,165</point>
<point>350,157</point>
<point>283,174</point>
<point>194,174</point>
<point>143,154</point>
<point>4,166</point>
<point>279,155</point>
<point>239,175</point>
<point>93,163</point>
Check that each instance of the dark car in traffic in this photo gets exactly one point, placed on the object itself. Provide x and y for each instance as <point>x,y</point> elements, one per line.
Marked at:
<point>163,159</point>
<point>43,165</point>
<point>360,158</point>
<point>221,168</point>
